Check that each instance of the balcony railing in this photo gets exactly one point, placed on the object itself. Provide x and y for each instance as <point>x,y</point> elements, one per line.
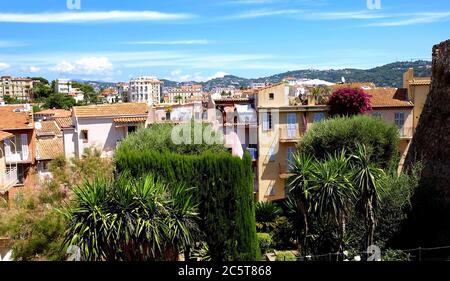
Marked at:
<point>8,179</point>
<point>17,157</point>
<point>289,134</point>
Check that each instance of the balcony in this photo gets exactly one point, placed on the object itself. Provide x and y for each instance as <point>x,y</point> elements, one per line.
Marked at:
<point>17,157</point>
<point>284,172</point>
<point>8,179</point>
<point>289,135</point>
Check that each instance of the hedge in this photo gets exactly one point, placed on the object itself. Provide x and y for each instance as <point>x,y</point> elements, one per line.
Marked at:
<point>224,190</point>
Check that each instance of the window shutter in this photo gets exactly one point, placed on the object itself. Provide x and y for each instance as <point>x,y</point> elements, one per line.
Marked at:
<point>8,148</point>
<point>24,138</point>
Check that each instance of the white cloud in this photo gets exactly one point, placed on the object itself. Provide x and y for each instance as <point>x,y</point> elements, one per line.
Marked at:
<point>86,65</point>
<point>79,17</point>
<point>414,18</point>
<point>349,15</point>
<point>179,76</point>
<point>34,69</point>
<point>4,66</point>
<point>264,13</point>
<point>219,74</point>
<point>173,42</point>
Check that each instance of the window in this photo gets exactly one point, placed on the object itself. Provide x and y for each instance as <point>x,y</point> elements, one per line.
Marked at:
<point>400,122</point>
<point>271,96</point>
<point>319,116</point>
<point>267,121</point>
<point>377,115</point>
<point>131,129</point>
<point>84,135</point>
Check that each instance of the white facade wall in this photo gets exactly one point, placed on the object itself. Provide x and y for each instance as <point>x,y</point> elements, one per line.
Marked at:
<point>145,89</point>
<point>102,134</point>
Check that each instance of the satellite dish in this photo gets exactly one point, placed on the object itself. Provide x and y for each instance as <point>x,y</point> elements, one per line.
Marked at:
<point>343,79</point>
<point>38,125</point>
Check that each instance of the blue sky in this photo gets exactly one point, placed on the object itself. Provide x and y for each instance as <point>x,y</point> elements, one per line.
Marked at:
<point>184,40</point>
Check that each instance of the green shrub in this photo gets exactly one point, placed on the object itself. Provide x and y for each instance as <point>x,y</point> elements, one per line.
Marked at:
<point>265,242</point>
<point>286,256</point>
<point>283,234</point>
<point>224,187</point>
<point>395,255</point>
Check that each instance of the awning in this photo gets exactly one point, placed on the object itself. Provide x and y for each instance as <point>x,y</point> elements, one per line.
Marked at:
<point>129,121</point>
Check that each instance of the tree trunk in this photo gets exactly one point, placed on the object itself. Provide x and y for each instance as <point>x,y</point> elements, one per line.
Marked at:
<point>370,224</point>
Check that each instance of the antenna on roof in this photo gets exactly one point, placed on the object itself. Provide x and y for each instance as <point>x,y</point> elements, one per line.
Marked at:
<point>343,79</point>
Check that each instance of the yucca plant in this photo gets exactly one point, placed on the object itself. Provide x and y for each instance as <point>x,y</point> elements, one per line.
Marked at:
<point>367,179</point>
<point>331,192</point>
<point>130,219</point>
<point>302,168</point>
<point>266,214</point>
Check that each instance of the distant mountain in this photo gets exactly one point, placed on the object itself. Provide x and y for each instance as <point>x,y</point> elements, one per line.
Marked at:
<point>389,75</point>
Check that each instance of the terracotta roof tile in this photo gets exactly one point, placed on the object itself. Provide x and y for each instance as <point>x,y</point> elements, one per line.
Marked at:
<point>10,120</point>
<point>5,135</point>
<point>420,82</point>
<point>55,112</point>
<point>389,97</point>
<point>48,149</point>
<point>64,122</point>
<point>105,110</point>
<point>49,127</point>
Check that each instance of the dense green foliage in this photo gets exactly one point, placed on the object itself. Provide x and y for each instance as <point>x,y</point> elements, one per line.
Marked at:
<point>131,220</point>
<point>34,223</point>
<point>265,242</point>
<point>159,138</point>
<point>60,101</point>
<point>266,214</point>
<point>224,186</point>
<point>329,136</point>
<point>286,256</point>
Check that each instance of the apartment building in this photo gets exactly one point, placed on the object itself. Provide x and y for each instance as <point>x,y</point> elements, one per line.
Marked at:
<point>418,89</point>
<point>63,86</point>
<point>145,89</point>
<point>111,95</point>
<point>19,149</point>
<point>101,127</point>
<point>18,88</point>
<point>281,125</point>
<point>183,94</point>
<point>122,90</point>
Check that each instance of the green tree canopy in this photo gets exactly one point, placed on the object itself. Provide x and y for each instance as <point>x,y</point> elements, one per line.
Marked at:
<point>380,139</point>
<point>60,101</point>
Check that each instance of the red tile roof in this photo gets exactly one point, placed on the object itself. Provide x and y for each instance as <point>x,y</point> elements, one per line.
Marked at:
<point>106,110</point>
<point>13,119</point>
<point>48,149</point>
<point>389,97</point>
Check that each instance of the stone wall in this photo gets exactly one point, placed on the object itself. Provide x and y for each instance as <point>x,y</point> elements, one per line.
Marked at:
<point>431,145</point>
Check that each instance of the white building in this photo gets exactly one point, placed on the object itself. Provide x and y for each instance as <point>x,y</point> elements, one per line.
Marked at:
<point>102,127</point>
<point>63,86</point>
<point>145,89</point>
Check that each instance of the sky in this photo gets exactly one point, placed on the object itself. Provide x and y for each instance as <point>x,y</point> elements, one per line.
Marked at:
<point>185,40</point>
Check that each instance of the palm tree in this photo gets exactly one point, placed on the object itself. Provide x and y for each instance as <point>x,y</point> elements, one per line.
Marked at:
<point>266,214</point>
<point>367,179</point>
<point>331,192</point>
<point>302,170</point>
<point>131,219</point>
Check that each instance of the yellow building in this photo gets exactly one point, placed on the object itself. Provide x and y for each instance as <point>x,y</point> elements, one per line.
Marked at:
<point>418,89</point>
<point>19,88</point>
<point>281,125</point>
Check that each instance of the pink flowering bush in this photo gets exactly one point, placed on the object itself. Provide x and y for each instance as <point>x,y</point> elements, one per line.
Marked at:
<point>349,102</point>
